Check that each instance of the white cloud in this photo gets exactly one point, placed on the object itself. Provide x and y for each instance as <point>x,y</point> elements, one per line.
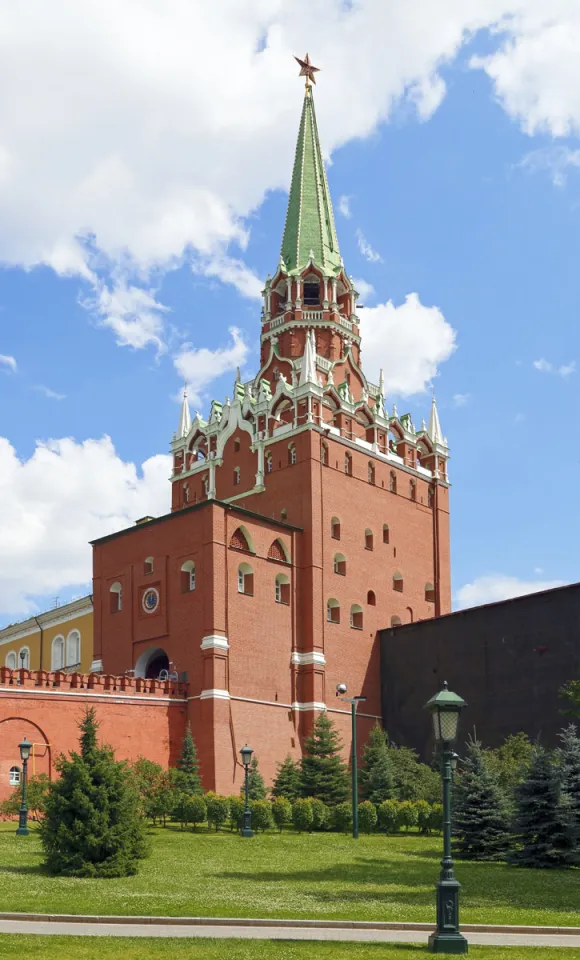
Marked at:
<point>564,370</point>
<point>498,586</point>
<point>229,270</point>
<point>409,341</point>
<point>132,313</point>
<point>365,248</point>
<point>460,399</point>
<point>365,289</point>
<point>344,206</point>
<point>557,161</point>
<point>47,392</point>
<point>9,363</point>
<point>64,495</point>
<point>199,366</point>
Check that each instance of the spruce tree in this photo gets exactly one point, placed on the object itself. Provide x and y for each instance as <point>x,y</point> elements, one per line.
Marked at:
<point>376,774</point>
<point>543,820</point>
<point>324,774</point>
<point>92,825</point>
<point>287,780</point>
<point>188,764</point>
<point>256,785</point>
<point>569,760</point>
<point>481,819</point>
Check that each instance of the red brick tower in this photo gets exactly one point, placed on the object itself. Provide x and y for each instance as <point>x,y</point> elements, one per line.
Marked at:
<point>304,518</point>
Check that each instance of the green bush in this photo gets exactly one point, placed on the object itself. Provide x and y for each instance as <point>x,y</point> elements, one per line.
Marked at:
<point>423,815</point>
<point>342,817</point>
<point>218,809</point>
<point>195,810</point>
<point>408,814</point>
<point>320,814</point>
<point>436,817</point>
<point>282,812</point>
<point>389,815</point>
<point>367,816</point>
<point>287,781</point>
<point>262,818</point>
<point>236,806</point>
<point>36,793</point>
<point>93,825</point>
<point>302,816</point>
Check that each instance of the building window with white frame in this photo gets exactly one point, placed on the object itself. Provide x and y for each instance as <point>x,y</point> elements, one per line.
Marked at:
<point>24,658</point>
<point>57,654</point>
<point>73,649</point>
<point>14,778</point>
<point>11,660</point>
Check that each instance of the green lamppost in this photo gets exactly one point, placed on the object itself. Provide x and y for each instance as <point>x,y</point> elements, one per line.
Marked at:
<point>354,702</point>
<point>246,753</point>
<point>25,747</point>
<point>445,709</point>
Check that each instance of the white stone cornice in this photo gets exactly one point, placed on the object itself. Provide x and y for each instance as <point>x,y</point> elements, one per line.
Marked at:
<point>214,694</point>
<point>305,659</point>
<point>96,666</point>
<point>215,642</point>
<point>308,707</point>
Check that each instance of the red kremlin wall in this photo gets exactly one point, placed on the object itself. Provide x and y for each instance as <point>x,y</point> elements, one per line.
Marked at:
<point>138,717</point>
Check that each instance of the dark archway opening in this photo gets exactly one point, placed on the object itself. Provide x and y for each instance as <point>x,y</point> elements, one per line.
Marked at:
<point>156,665</point>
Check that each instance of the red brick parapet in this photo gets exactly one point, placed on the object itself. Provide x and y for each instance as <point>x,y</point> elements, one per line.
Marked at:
<point>91,682</point>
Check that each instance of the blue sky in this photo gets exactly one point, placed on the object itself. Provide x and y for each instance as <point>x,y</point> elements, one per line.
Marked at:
<point>465,193</point>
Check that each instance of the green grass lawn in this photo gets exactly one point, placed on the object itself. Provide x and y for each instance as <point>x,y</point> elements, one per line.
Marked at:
<point>91,948</point>
<point>327,876</point>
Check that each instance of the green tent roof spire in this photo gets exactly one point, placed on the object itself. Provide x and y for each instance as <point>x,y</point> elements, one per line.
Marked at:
<point>310,219</point>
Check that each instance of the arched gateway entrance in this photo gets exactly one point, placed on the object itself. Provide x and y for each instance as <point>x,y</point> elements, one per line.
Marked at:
<point>151,663</point>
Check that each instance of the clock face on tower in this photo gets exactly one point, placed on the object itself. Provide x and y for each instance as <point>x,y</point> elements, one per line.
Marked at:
<point>150,600</point>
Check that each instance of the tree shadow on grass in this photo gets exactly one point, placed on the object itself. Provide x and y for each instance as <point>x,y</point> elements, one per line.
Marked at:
<point>26,869</point>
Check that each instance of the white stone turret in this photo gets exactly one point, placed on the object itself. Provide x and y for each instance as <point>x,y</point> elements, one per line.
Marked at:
<point>308,368</point>
<point>434,431</point>
<point>184,418</point>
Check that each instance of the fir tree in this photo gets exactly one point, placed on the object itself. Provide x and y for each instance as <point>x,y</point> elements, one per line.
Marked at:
<point>569,759</point>
<point>376,774</point>
<point>481,818</point>
<point>188,764</point>
<point>287,780</point>
<point>92,825</point>
<point>256,785</point>
<point>543,821</point>
<point>324,774</point>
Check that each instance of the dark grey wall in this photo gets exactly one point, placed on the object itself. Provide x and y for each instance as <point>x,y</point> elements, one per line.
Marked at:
<point>507,660</point>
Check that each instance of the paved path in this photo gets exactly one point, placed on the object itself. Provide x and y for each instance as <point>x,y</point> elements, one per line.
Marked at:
<point>251,932</point>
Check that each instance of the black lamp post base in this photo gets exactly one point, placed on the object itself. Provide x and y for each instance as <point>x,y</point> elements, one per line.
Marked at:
<point>247,832</point>
<point>22,829</point>
<point>440,942</point>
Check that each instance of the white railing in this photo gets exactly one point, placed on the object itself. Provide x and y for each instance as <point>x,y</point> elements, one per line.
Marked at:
<point>323,363</point>
<point>277,322</point>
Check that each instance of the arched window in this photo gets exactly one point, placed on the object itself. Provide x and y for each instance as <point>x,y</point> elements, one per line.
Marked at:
<point>11,660</point>
<point>277,552</point>
<point>348,464</point>
<point>324,454</point>
<point>73,649</point>
<point>398,582</point>
<point>333,611</point>
<point>246,579</point>
<point>148,565</point>
<point>393,481</point>
<point>188,576</point>
<point>395,621</point>
<point>237,476</point>
<point>340,564</point>
<point>409,614</point>
<point>335,528</point>
<point>429,593</point>
<point>57,654</point>
<point>371,599</point>
<point>24,658</point>
<point>369,540</point>
<point>282,588</point>
<point>269,463</point>
<point>236,444</point>
<point>291,454</point>
<point>371,473</point>
<point>385,532</point>
<point>356,617</point>
<point>312,293</point>
<point>412,490</point>
<point>430,497</point>
<point>116,597</point>
<point>14,778</point>
<point>239,540</point>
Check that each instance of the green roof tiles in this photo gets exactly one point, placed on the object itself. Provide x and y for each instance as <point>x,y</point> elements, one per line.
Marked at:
<point>310,220</point>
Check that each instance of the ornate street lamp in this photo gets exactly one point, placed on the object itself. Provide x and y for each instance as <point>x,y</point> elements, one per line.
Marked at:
<point>445,709</point>
<point>354,702</point>
<point>25,747</point>
<point>246,753</point>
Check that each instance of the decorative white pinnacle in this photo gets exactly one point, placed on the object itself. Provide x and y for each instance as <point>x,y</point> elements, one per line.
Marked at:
<point>184,418</point>
<point>308,368</point>
<point>382,383</point>
<point>434,430</point>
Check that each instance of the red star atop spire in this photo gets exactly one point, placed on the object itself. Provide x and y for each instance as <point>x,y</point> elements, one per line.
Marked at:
<point>307,69</point>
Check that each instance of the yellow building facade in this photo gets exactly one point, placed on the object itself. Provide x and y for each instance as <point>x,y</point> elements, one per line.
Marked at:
<point>59,639</point>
